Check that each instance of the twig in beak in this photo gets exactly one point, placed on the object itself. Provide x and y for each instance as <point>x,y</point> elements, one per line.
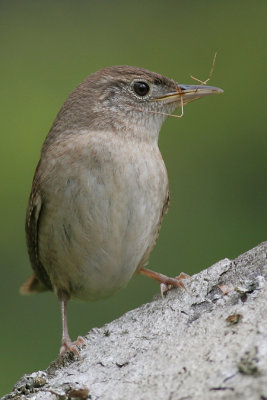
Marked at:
<point>210,74</point>
<point>163,113</point>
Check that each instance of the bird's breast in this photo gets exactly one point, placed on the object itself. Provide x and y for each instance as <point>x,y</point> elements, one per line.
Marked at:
<point>109,210</point>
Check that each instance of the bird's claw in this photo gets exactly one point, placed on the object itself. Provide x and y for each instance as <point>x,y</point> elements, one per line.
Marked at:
<point>72,347</point>
<point>174,282</point>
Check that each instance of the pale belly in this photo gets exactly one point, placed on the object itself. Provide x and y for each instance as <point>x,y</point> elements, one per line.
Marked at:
<point>100,223</point>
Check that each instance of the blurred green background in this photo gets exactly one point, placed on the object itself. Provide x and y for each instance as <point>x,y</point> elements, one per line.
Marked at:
<point>215,155</point>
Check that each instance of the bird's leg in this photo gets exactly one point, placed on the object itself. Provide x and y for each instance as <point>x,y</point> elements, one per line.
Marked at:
<point>166,283</point>
<point>66,343</point>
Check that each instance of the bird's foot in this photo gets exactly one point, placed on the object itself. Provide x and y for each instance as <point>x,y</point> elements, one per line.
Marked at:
<point>173,282</point>
<point>166,283</point>
<point>72,347</point>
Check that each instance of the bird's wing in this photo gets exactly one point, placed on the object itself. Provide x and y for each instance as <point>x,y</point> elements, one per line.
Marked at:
<point>165,207</point>
<point>39,281</point>
<point>166,204</point>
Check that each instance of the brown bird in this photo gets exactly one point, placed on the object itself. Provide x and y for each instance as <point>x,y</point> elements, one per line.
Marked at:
<point>101,187</point>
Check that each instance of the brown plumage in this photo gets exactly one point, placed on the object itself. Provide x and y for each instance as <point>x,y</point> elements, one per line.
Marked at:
<point>101,188</point>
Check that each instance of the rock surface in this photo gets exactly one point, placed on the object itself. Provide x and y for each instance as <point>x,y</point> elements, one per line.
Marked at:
<point>206,342</point>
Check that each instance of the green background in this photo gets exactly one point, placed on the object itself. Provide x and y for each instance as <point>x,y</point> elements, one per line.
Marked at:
<point>215,154</point>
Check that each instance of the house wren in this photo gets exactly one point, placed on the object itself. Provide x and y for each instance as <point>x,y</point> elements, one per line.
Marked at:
<point>101,187</point>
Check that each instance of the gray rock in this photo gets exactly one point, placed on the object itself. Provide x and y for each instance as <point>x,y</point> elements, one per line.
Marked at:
<point>206,342</point>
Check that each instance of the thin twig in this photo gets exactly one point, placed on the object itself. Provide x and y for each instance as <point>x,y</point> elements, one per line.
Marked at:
<point>210,74</point>
<point>181,95</point>
<point>163,113</point>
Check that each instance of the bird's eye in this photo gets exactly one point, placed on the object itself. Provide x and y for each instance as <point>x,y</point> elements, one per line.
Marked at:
<point>141,88</point>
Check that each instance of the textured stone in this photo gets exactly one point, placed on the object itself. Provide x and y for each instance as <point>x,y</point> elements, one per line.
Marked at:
<point>206,342</point>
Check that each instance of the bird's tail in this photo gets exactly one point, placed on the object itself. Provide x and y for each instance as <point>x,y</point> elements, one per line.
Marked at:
<point>32,285</point>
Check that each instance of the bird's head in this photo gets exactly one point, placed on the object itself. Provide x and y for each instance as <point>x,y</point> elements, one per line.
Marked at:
<point>127,99</point>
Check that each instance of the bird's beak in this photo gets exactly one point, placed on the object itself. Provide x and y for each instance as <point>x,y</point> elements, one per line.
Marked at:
<point>189,93</point>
